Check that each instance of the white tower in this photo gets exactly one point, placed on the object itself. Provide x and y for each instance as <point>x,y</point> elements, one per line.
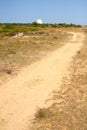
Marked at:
<point>39,21</point>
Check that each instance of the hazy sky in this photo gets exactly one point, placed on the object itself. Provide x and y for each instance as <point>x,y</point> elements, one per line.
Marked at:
<point>50,11</point>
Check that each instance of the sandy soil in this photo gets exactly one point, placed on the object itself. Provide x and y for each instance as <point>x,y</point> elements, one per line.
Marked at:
<point>21,96</point>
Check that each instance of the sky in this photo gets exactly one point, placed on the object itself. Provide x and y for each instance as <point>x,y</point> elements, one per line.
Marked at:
<point>50,11</point>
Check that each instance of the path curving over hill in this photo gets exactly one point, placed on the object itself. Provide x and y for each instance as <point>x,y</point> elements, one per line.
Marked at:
<point>20,97</point>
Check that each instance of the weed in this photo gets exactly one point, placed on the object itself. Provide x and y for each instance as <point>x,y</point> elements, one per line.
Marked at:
<point>7,71</point>
<point>41,113</point>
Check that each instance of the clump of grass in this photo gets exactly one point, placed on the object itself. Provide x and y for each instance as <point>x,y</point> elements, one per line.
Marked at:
<point>7,71</point>
<point>41,113</point>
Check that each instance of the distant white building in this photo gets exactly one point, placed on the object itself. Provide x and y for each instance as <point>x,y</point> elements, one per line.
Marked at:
<point>39,21</point>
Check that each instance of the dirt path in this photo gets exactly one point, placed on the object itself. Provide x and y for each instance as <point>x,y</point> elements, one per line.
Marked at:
<point>20,97</point>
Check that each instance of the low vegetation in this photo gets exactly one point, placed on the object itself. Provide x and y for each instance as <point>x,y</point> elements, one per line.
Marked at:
<point>10,29</point>
<point>19,48</point>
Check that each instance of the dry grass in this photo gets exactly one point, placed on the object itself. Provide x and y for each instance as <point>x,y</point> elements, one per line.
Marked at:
<point>21,51</point>
<point>69,110</point>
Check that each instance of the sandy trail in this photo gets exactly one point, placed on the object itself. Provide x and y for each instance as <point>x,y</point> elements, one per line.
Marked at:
<point>20,97</point>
